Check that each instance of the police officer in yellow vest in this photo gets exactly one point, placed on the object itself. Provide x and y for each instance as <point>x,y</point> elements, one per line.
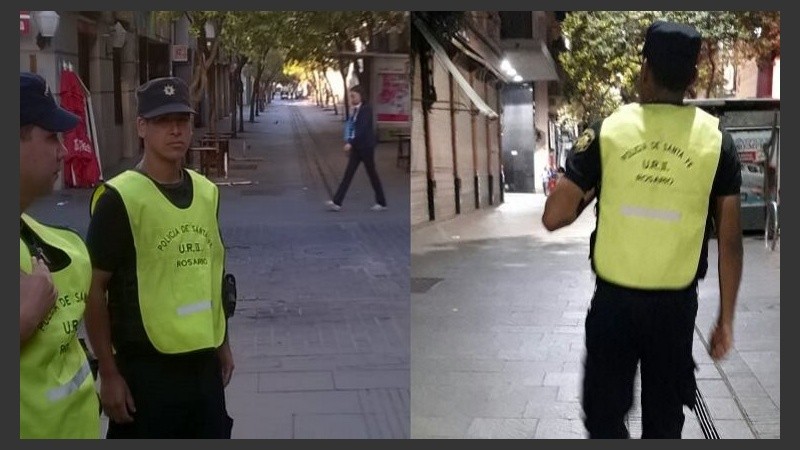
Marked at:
<point>662,172</point>
<point>155,316</point>
<point>57,398</point>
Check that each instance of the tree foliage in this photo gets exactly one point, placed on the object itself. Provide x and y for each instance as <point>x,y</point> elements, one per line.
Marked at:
<point>603,62</point>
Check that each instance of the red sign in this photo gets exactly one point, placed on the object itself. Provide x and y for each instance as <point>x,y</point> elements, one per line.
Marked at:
<point>180,53</point>
<point>24,22</point>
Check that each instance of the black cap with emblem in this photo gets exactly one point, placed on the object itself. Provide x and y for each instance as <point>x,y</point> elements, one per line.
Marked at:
<point>162,96</point>
<point>672,49</point>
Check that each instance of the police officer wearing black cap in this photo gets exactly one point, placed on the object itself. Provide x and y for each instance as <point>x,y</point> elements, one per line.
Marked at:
<point>57,399</point>
<point>661,172</point>
<point>155,316</point>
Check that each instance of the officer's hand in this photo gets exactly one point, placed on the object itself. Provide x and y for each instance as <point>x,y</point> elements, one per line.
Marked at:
<point>347,147</point>
<point>116,397</point>
<point>226,363</point>
<point>37,292</point>
<point>721,340</point>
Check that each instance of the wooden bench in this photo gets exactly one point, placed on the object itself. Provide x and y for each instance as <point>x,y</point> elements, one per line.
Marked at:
<point>207,156</point>
<point>221,161</point>
<point>218,135</point>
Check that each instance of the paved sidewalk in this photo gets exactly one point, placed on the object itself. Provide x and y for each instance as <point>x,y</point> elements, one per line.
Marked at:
<point>498,307</point>
<point>321,333</point>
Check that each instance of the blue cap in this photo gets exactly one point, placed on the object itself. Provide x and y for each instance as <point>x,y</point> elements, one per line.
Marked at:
<point>37,106</point>
<point>671,46</point>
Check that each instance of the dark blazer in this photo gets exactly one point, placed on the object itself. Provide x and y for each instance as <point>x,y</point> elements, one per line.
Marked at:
<point>364,139</point>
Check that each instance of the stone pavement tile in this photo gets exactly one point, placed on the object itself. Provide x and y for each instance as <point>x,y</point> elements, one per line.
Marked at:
<point>457,364</point>
<point>503,339</point>
<point>515,399</point>
<point>714,389</point>
<point>576,328</point>
<point>257,426</point>
<point>572,366</point>
<point>363,379</point>
<point>734,364</point>
<point>532,329</point>
<point>560,429</point>
<point>485,428</point>
<point>387,412</point>
<point>532,366</point>
<point>768,429</point>
<point>746,386</point>
<point>553,409</point>
<point>487,379</point>
<point>707,372</point>
<point>459,345</point>
<point>294,381</point>
<point>317,402</point>
<point>733,429</point>
<point>760,408</point>
<point>536,352</point>
<point>330,426</point>
<point>634,425</point>
<point>691,427</point>
<point>774,391</point>
<point>723,409</point>
<point>766,365</point>
<point>453,426</point>
<point>242,383</point>
<point>444,400</point>
<point>569,393</point>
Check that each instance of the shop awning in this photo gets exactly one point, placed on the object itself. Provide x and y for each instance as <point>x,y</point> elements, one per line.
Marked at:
<point>441,55</point>
<point>532,63</point>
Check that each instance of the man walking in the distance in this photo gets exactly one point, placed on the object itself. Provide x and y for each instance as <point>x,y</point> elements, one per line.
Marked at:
<point>360,142</point>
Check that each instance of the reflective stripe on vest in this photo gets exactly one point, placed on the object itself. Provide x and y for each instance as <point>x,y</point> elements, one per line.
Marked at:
<point>658,165</point>
<point>57,395</point>
<point>179,261</point>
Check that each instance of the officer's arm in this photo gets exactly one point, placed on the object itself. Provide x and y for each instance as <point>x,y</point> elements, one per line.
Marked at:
<point>729,238</point>
<point>576,189</point>
<point>564,204</point>
<point>107,241</point>
<point>98,325</point>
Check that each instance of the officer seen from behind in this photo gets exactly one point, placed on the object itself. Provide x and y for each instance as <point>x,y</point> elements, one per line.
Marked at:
<point>660,171</point>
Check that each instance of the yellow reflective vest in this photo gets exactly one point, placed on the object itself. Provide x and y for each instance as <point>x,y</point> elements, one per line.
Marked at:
<point>179,262</point>
<point>57,398</point>
<point>658,166</point>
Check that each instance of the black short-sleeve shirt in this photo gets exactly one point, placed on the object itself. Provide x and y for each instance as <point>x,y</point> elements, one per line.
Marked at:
<point>584,169</point>
<point>111,248</point>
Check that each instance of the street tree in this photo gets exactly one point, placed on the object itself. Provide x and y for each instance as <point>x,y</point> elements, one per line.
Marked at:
<point>603,58</point>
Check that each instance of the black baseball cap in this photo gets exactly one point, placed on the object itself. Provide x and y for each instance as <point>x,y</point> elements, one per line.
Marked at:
<point>161,96</point>
<point>672,47</point>
<point>37,106</point>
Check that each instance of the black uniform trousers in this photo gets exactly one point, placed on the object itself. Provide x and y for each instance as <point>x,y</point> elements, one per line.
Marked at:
<point>176,396</point>
<point>357,157</point>
<point>623,328</point>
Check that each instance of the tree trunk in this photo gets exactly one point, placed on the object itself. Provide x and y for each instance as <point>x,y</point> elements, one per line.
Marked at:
<point>212,101</point>
<point>343,72</point>
<point>256,91</point>
<point>240,96</point>
<point>713,64</point>
<point>332,96</point>
<point>365,77</point>
<point>233,87</point>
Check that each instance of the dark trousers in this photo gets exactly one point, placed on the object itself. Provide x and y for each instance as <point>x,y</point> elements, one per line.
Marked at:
<point>623,328</point>
<point>176,396</point>
<point>356,157</point>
